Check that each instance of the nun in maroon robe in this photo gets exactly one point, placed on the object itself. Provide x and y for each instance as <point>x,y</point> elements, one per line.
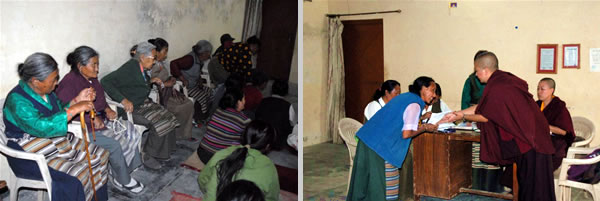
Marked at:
<point>557,115</point>
<point>517,132</point>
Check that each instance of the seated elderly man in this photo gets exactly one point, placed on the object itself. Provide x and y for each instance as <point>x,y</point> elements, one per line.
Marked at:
<point>188,69</point>
<point>130,85</point>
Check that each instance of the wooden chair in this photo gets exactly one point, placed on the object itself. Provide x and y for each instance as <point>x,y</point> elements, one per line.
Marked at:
<point>347,128</point>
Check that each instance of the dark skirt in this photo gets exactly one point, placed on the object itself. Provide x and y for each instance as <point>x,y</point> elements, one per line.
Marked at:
<point>368,175</point>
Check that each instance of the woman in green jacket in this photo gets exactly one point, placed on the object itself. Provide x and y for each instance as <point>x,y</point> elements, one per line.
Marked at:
<point>247,161</point>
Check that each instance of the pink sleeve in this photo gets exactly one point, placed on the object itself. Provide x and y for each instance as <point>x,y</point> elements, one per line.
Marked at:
<point>411,117</point>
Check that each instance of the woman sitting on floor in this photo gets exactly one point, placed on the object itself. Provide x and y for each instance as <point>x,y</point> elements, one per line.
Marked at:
<point>247,161</point>
<point>124,155</point>
<point>36,122</point>
<point>225,126</point>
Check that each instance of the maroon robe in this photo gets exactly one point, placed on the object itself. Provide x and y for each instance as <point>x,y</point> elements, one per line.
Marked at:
<point>514,120</point>
<point>516,132</point>
<point>557,115</point>
<point>70,86</point>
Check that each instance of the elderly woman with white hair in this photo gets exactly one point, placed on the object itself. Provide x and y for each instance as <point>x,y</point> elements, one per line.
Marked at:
<point>188,69</point>
<point>130,85</point>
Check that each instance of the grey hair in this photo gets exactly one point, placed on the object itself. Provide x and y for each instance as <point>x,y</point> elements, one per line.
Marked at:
<point>202,46</point>
<point>38,65</point>
<point>143,49</point>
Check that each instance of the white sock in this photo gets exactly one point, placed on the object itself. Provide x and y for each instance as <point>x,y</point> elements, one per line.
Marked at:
<point>131,182</point>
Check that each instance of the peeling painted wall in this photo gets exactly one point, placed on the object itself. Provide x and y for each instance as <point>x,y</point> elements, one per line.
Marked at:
<point>110,27</point>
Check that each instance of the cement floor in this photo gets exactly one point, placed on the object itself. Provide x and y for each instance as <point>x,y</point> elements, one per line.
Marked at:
<point>161,183</point>
<point>326,169</point>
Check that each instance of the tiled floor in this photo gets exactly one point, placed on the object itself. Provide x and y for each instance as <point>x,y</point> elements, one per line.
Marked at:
<point>326,176</point>
<point>172,177</point>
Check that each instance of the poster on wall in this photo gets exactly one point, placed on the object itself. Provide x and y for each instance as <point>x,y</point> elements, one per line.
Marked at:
<point>594,59</point>
<point>546,58</point>
<point>571,56</point>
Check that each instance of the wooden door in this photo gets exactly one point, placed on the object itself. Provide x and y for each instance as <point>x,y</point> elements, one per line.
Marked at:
<point>363,61</point>
<point>278,38</point>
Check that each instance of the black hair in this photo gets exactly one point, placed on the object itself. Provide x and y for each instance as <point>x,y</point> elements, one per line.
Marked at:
<point>280,87</point>
<point>81,55</point>
<point>388,85</point>
<point>258,77</point>
<point>159,43</point>
<point>38,65</point>
<point>235,80</point>
<point>132,50</point>
<point>550,82</point>
<point>479,53</point>
<point>438,90</point>
<point>258,135</point>
<point>419,83</point>
<point>231,98</point>
<point>241,190</point>
<point>253,40</point>
<point>494,63</point>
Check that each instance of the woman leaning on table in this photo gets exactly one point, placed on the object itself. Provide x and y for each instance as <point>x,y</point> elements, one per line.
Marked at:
<point>385,140</point>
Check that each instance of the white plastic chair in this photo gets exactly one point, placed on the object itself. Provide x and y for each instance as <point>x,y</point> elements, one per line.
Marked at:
<point>206,75</point>
<point>347,128</point>
<point>565,185</point>
<point>12,181</point>
<point>583,128</point>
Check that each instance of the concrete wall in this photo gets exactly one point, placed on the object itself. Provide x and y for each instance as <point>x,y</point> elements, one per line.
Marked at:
<point>314,71</point>
<point>110,27</point>
<point>429,38</point>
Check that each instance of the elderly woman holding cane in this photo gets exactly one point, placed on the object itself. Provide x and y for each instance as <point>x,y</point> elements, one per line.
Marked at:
<point>36,121</point>
<point>124,156</point>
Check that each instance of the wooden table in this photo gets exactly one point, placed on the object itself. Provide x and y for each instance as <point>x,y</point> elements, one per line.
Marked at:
<point>442,163</point>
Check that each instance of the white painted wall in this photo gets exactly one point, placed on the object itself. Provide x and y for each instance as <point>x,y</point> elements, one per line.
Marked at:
<point>110,27</point>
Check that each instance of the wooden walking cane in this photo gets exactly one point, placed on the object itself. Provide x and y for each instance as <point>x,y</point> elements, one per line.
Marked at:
<point>92,119</point>
<point>87,152</point>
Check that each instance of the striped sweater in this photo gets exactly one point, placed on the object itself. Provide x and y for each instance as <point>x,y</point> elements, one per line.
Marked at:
<point>224,129</point>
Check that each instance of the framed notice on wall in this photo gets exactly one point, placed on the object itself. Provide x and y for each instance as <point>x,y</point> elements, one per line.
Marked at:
<point>546,58</point>
<point>571,56</point>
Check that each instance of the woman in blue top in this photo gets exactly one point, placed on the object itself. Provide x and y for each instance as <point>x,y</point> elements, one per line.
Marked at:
<point>384,142</point>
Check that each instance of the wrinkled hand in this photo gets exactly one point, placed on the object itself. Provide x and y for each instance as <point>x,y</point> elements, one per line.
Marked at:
<point>185,82</point>
<point>110,114</point>
<point>98,123</point>
<point>156,81</point>
<point>128,106</point>
<point>430,127</point>
<point>87,94</point>
<point>82,106</point>
<point>170,82</point>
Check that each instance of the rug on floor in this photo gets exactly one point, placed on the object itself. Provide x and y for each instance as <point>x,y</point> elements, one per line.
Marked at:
<point>177,196</point>
<point>193,162</point>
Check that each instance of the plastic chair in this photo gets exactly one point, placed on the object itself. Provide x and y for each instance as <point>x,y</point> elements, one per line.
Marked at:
<point>204,74</point>
<point>565,185</point>
<point>347,128</point>
<point>12,181</point>
<point>583,128</point>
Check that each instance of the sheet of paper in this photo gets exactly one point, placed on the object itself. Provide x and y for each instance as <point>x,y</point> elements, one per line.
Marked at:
<point>571,56</point>
<point>547,59</point>
<point>594,59</point>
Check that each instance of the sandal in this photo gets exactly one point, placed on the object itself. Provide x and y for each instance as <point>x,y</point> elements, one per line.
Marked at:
<point>135,188</point>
